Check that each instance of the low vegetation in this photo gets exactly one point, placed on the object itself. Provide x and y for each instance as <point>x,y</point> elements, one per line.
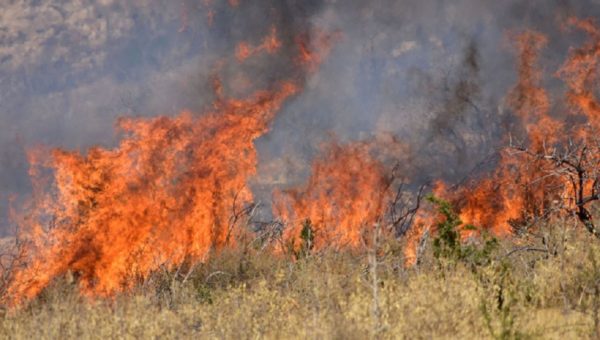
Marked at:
<point>542,284</point>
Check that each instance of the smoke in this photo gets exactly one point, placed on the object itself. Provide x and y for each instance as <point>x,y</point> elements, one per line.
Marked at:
<point>434,74</point>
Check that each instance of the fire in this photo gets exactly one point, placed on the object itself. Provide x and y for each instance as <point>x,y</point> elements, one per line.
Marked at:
<point>164,195</point>
<point>270,45</point>
<point>346,192</point>
<point>581,73</point>
<point>524,187</point>
<point>494,201</point>
<point>311,57</point>
<point>528,99</point>
<point>345,195</point>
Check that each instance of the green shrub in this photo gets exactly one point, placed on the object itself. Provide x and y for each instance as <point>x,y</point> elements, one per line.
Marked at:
<point>447,243</point>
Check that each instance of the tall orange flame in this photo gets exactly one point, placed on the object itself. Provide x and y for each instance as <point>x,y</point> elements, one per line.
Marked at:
<point>523,187</point>
<point>581,73</point>
<point>509,193</point>
<point>345,195</point>
<point>164,195</point>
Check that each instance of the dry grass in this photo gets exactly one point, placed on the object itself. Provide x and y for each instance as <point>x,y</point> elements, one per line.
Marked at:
<point>253,294</point>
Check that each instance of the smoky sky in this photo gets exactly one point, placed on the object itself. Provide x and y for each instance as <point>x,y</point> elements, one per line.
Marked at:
<point>432,73</point>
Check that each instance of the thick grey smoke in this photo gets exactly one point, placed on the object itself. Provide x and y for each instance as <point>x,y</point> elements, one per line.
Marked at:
<point>433,73</point>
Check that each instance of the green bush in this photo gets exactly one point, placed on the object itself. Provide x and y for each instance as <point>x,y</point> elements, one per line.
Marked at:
<point>447,243</point>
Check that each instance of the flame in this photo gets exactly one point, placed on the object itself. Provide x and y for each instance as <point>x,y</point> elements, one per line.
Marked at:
<point>517,189</point>
<point>522,188</point>
<point>493,202</point>
<point>425,221</point>
<point>270,45</point>
<point>313,51</point>
<point>344,196</point>
<point>581,74</point>
<point>528,99</point>
<point>164,195</point>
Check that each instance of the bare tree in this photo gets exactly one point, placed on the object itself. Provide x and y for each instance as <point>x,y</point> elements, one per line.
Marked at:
<point>577,165</point>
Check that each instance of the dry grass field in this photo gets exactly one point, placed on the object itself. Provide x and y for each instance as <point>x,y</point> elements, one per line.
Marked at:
<point>544,285</point>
